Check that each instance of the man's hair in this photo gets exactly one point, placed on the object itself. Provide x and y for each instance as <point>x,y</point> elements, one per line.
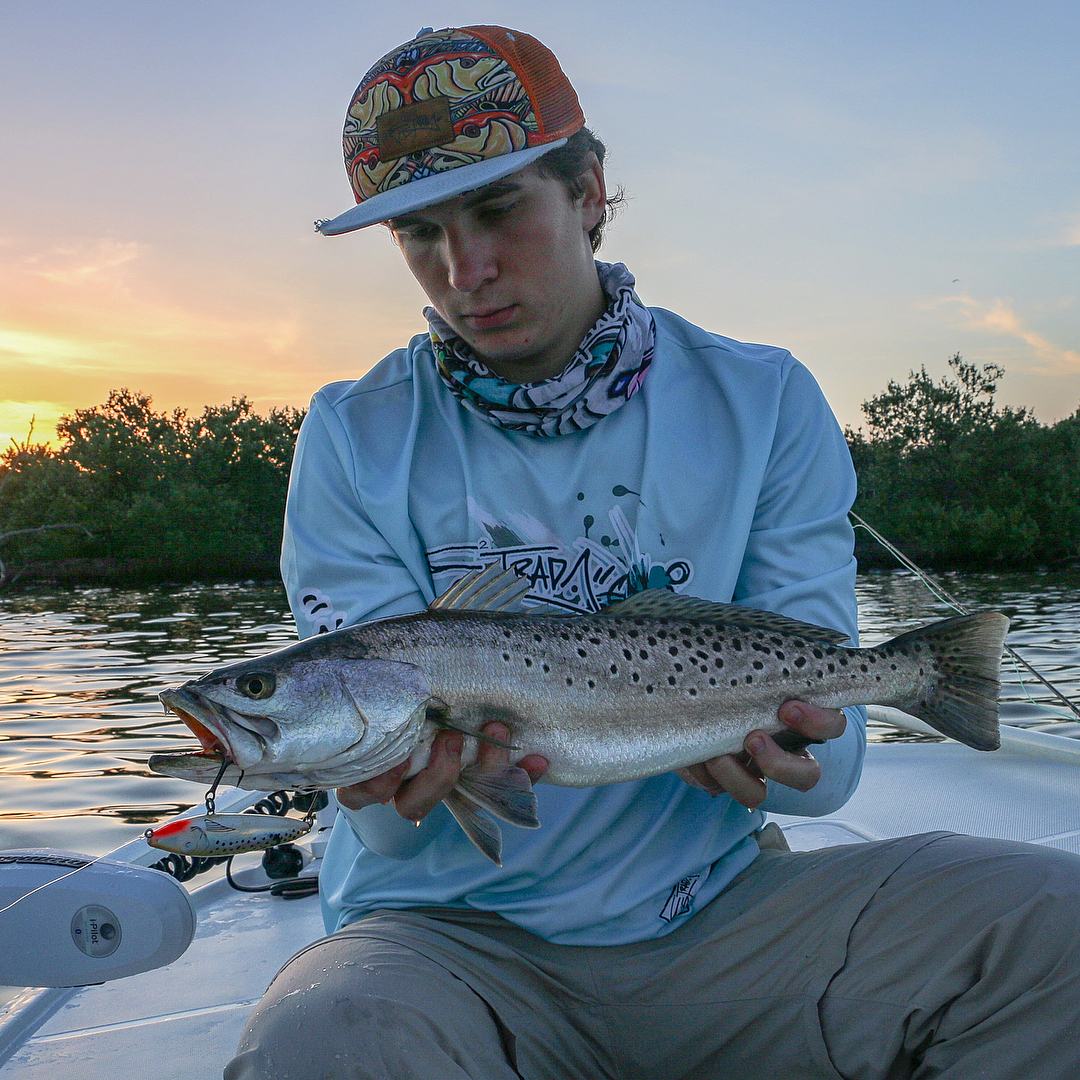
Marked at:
<point>568,162</point>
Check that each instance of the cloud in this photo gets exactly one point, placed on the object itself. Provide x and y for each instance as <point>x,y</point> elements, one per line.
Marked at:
<point>1000,318</point>
<point>95,261</point>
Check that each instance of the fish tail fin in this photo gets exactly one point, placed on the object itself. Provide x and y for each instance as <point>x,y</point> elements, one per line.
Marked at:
<point>962,702</point>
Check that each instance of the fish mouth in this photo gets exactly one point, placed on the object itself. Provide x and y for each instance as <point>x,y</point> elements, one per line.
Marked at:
<point>196,713</point>
<point>222,732</point>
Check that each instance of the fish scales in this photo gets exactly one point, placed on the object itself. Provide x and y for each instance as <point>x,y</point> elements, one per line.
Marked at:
<point>605,698</point>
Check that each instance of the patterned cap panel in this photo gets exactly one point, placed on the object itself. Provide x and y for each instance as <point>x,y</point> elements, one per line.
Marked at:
<point>398,128</point>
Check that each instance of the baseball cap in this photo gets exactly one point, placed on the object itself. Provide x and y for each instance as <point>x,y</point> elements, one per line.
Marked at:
<point>448,112</point>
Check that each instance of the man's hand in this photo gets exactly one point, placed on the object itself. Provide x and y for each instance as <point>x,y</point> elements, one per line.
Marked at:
<point>416,797</point>
<point>744,776</point>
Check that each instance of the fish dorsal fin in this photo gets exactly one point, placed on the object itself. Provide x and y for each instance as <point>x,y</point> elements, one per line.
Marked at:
<point>490,589</point>
<point>662,603</point>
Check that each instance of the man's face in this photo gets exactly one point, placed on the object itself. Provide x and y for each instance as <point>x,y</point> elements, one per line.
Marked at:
<point>510,269</point>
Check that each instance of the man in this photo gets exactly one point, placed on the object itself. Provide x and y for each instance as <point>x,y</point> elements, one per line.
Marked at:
<point>550,422</point>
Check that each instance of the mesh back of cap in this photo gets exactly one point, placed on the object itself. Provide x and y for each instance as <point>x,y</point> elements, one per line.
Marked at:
<point>554,100</point>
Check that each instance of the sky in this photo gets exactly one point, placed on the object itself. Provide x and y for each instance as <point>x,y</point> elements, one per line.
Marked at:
<point>872,185</point>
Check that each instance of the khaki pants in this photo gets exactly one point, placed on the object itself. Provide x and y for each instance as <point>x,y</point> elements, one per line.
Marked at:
<point>927,956</point>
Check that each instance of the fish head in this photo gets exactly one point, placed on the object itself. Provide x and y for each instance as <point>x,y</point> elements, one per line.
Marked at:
<point>303,712</point>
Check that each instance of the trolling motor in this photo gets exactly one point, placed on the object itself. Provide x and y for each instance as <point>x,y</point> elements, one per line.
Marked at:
<point>70,920</point>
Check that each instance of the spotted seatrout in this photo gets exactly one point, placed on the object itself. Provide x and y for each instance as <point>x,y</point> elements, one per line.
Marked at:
<point>652,683</point>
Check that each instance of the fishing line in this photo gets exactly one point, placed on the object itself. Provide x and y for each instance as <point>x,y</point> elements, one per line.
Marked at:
<point>947,598</point>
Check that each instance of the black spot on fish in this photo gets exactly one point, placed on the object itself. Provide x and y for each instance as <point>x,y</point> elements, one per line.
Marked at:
<point>528,661</point>
<point>652,641</point>
<point>634,633</point>
<point>569,681</point>
<point>786,671</point>
<point>779,655</point>
<point>736,644</point>
<point>536,637</point>
<point>832,668</point>
<point>672,680</point>
<point>614,669</point>
<point>546,669</point>
<point>843,661</point>
<point>591,685</point>
<point>758,665</point>
<point>677,666</point>
<point>863,667</point>
<point>818,654</point>
<point>718,663</point>
<point>734,682</point>
<point>661,633</point>
<point>635,677</point>
<point>506,656</point>
<point>701,655</point>
<point>648,688</point>
<point>692,692</point>
<point>893,666</point>
<point>800,661</point>
<point>628,654</point>
<point>673,650</point>
<point>749,678</point>
<point>712,682</point>
<point>582,653</point>
<point>643,654</point>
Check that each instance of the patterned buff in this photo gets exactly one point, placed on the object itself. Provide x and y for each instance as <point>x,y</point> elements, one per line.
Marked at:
<point>607,369</point>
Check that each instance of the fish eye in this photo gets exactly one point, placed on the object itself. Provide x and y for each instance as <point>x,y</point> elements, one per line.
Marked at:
<point>257,685</point>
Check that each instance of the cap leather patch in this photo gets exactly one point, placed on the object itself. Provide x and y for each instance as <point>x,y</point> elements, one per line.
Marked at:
<point>415,127</point>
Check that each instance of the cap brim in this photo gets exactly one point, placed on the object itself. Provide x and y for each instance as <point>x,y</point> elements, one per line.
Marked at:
<point>417,194</point>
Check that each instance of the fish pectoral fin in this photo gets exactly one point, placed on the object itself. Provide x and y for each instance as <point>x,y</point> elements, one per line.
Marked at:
<point>477,824</point>
<point>508,794</point>
<point>440,721</point>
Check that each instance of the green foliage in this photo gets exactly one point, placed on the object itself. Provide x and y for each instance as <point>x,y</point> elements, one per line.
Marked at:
<point>157,494</point>
<point>955,481</point>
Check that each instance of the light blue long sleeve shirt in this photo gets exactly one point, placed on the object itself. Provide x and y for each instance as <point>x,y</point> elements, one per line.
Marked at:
<point>726,477</point>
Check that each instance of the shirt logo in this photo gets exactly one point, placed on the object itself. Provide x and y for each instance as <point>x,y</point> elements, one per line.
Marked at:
<point>681,899</point>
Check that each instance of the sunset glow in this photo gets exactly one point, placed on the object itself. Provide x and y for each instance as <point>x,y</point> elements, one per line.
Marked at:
<point>874,186</point>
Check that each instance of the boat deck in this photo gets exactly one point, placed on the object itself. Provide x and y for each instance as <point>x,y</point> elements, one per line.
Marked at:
<point>182,1022</point>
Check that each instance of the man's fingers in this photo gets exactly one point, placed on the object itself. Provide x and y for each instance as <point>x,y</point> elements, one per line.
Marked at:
<point>811,721</point>
<point>799,770</point>
<point>738,779</point>
<point>418,796</point>
<point>379,789</point>
<point>490,756</point>
<point>534,765</point>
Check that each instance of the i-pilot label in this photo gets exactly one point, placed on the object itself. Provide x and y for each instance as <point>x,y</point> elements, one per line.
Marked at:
<point>96,930</point>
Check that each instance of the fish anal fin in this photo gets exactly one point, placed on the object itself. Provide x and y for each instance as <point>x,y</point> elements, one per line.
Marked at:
<point>664,603</point>
<point>507,794</point>
<point>477,824</point>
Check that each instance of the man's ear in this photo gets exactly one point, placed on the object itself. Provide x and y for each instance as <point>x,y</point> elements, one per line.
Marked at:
<point>594,196</point>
